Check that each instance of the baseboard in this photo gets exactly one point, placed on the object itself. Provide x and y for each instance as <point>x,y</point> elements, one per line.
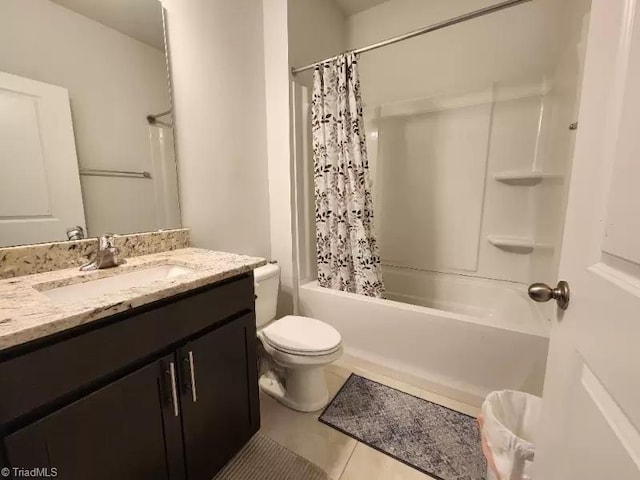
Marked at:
<point>362,366</point>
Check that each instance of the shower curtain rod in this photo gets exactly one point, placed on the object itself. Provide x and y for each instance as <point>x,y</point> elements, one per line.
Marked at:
<point>421,31</point>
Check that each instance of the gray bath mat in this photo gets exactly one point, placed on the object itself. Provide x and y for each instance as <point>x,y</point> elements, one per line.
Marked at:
<point>264,459</point>
<point>437,441</point>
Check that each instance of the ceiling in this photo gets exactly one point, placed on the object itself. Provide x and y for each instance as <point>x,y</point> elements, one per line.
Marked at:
<point>350,7</point>
<point>140,19</point>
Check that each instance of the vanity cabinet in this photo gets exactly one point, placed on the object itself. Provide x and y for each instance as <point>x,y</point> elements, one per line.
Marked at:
<point>177,403</point>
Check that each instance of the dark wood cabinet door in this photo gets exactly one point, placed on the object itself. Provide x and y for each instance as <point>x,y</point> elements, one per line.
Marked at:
<point>219,396</point>
<point>126,430</point>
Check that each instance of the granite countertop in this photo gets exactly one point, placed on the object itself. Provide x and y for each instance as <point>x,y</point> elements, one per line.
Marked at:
<point>26,314</point>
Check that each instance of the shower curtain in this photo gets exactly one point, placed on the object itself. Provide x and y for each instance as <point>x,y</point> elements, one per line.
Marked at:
<point>348,258</point>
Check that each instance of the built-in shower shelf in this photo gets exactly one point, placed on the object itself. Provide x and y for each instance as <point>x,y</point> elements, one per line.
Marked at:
<point>517,244</point>
<point>525,178</point>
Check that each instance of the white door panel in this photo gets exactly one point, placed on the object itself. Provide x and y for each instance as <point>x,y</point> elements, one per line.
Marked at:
<point>23,189</point>
<point>591,420</point>
<point>595,416</point>
<point>40,193</point>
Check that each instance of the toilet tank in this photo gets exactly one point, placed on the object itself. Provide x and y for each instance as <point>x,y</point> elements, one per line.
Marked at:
<point>267,280</point>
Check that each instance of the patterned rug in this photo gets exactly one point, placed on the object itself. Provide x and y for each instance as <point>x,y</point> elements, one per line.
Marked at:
<point>433,439</point>
<point>264,459</point>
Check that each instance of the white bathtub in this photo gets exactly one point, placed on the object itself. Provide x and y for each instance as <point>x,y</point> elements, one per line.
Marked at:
<point>459,336</point>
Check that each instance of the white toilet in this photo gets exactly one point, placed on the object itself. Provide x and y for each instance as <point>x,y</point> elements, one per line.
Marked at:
<point>300,346</point>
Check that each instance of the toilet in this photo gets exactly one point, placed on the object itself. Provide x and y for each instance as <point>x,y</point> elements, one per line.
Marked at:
<point>298,348</point>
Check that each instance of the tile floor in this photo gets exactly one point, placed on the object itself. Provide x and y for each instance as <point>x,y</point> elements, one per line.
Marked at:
<point>342,457</point>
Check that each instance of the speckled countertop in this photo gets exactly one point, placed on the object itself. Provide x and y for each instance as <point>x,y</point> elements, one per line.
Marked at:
<point>27,314</point>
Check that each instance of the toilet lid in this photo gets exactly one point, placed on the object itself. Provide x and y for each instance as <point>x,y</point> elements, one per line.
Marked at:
<point>302,334</point>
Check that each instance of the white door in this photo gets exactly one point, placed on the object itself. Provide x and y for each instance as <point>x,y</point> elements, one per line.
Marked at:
<point>590,428</point>
<point>40,193</point>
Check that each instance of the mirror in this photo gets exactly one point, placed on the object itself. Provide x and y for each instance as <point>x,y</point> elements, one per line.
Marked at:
<point>86,140</point>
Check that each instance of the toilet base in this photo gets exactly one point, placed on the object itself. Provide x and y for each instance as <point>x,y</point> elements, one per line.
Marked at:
<point>305,388</point>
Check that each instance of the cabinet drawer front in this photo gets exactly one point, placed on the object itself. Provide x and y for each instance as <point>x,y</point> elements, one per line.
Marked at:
<point>54,372</point>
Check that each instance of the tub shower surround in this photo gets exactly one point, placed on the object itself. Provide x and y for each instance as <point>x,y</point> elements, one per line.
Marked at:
<point>460,337</point>
<point>44,257</point>
<point>26,314</point>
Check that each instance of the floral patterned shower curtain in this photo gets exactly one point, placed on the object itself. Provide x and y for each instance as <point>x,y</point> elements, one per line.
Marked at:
<point>348,256</point>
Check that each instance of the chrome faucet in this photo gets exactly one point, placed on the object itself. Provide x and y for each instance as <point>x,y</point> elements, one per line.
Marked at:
<point>106,256</point>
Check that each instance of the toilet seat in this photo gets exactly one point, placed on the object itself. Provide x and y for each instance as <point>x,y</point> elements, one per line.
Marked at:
<point>305,336</point>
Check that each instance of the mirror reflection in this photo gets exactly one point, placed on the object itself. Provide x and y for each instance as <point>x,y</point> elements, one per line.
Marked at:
<point>86,143</point>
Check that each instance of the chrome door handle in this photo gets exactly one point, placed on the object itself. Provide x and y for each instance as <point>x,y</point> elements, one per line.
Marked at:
<point>541,292</point>
<point>174,392</point>
<point>192,374</point>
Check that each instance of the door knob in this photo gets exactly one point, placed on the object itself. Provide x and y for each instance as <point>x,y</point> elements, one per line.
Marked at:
<point>541,292</point>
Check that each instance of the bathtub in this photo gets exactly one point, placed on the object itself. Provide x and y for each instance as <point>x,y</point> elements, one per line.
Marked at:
<point>459,336</point>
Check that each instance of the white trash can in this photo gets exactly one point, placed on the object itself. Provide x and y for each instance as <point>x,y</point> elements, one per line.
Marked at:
<point>508,423</point>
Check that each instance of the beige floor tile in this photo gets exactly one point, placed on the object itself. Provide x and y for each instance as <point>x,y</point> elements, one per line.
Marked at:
<point>369,464</point>
<point>305,435</point>
<point>335,380</point>
<point>345,369</point>
<point>339,371</point>
<point>339,455</point>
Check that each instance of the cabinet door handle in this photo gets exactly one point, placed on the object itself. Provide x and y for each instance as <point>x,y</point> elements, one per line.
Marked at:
<point>174,393</point>
<point>192,373</point>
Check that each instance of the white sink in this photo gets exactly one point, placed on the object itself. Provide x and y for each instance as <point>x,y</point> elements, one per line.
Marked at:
<point>116,283</point>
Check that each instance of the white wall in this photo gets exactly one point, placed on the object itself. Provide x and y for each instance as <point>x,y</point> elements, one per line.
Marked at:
<point>217,60</point>
<point>295,32</point>
<point>283,248</point>
<point>114,82</point>
<point>317,30</point>
<point>512,45</point>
